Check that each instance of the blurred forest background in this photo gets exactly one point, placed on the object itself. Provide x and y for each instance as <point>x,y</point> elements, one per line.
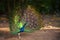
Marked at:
<point>43,7</point>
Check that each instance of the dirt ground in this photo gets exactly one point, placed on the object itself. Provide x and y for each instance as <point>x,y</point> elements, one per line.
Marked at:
<point>47,34</point>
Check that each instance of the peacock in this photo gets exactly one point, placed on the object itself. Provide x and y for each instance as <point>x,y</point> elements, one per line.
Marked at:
<point>18,24</point>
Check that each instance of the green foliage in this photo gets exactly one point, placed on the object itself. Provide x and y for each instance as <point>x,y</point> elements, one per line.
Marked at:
<point>41,5</point>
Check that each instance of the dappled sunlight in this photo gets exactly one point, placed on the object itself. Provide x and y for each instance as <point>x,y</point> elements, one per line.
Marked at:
<point>50,27</point>
<point>5,29</point>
